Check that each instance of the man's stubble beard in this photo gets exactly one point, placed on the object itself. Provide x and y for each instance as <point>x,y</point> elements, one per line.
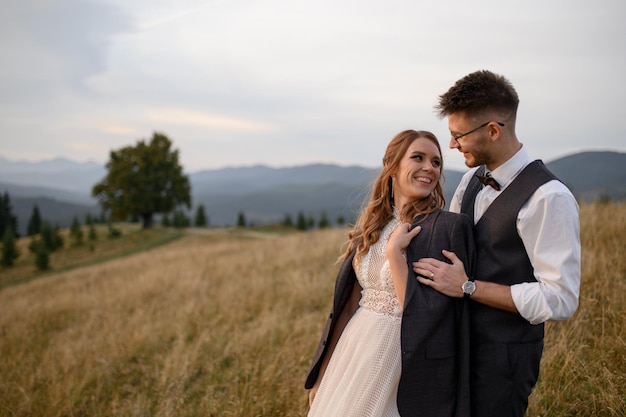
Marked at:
<point>480,155</point>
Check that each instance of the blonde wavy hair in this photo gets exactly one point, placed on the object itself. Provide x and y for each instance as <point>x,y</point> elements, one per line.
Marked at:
<point>379,209</point>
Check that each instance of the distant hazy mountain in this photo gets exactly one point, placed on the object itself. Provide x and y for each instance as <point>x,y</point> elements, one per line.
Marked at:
<point>58,174</point>
<point>54,165</point>
<point>81,196</point>
<point>62,188</point>
<point>267,194</point>
<point>591,175</point>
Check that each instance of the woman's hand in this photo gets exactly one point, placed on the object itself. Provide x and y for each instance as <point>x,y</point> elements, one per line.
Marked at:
<point>396,245</point>
<point>312,393</point>
<point>401,237</point>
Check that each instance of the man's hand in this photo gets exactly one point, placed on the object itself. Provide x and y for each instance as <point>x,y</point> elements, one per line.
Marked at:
<point>442,276</point>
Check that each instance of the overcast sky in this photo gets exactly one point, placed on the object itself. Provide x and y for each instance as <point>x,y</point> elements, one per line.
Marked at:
<point>290,82</point>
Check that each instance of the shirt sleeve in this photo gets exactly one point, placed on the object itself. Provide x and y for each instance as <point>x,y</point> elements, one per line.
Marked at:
<point>457,198</point>
<point>549,226</point>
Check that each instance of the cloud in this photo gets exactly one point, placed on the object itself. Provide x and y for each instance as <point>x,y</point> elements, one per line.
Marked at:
<point>122,130</point>
<point>284,82</point>
<point>172,16</point>
<point>55,44</point>
<point>177,116</point>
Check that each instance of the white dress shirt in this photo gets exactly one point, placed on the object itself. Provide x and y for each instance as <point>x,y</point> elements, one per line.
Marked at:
<point>549,227</point>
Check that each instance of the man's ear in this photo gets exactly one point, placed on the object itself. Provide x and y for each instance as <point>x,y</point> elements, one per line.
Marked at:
<point>494,130</point>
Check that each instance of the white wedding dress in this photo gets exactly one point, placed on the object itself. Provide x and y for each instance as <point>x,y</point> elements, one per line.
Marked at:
<point>362,377</point>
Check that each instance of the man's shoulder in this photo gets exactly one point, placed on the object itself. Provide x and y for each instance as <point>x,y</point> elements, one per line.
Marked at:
<point>450,218</point>
<point>551,198</point>
<point>554,189</point>
<point>451,215</point>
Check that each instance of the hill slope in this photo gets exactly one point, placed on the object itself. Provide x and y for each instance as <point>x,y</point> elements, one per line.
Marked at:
<point>591,175</point>
<point>266,194</point>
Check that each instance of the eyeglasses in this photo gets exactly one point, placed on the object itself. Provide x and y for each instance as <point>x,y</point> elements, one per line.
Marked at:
<point>457,137</point>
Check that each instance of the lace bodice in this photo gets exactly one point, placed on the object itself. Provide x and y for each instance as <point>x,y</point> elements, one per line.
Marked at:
<point>374,275</point>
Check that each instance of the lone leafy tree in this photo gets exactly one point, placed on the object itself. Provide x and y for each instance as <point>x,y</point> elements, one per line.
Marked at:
<point>143,180</point>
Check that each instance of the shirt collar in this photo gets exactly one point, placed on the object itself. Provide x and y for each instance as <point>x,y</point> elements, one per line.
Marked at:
<point>507,172</point>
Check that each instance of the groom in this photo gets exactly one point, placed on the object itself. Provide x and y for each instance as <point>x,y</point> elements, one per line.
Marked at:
<point>527,232</point>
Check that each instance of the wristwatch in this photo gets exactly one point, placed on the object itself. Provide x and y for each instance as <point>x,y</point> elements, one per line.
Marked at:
<point>468,288</point>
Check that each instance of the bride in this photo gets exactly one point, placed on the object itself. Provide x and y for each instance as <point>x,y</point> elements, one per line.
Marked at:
<point>392,346</point>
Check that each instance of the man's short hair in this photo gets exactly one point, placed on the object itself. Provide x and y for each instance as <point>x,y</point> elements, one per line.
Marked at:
<point>479,92</point>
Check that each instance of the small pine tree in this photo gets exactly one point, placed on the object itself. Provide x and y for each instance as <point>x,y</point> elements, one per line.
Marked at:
<point>241,219</point>
<point>165,220</point>
<point>58,238</point>
<point>51,236</point>
<point>341,220</point>
<point>180,220</point>
<point>323,223</point>
<point>42,254</point>
<point>201,219</point>
<point>92,234</point>
<point>76,232</point>
<point>301,223</point>
<point>7,219</point>
<point>288,222</point>
<point>10,252</point>
<point>34,223</point>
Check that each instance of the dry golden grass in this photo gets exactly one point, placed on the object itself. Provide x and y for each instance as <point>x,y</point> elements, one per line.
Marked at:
<point>215,324</point>
<point>584,363</point>
<point>225,324</point>
<point>132,239</point>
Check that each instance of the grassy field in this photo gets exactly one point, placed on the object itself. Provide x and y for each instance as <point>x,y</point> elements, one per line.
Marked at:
<point>223,323</point>
<point>132,239</point>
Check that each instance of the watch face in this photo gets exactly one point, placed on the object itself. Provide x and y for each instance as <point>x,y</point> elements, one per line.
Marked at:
<point>469,287</point>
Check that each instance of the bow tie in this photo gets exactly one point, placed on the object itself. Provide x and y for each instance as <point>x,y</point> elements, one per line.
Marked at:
<point>488,180</point>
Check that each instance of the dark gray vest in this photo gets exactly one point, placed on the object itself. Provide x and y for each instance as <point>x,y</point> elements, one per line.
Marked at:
<point>501,256</point>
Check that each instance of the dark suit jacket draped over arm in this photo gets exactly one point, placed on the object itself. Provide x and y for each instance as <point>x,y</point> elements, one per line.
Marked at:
<point>435,328</point>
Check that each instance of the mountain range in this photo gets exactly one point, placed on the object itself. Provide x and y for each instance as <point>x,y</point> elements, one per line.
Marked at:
<point>62,188</point>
